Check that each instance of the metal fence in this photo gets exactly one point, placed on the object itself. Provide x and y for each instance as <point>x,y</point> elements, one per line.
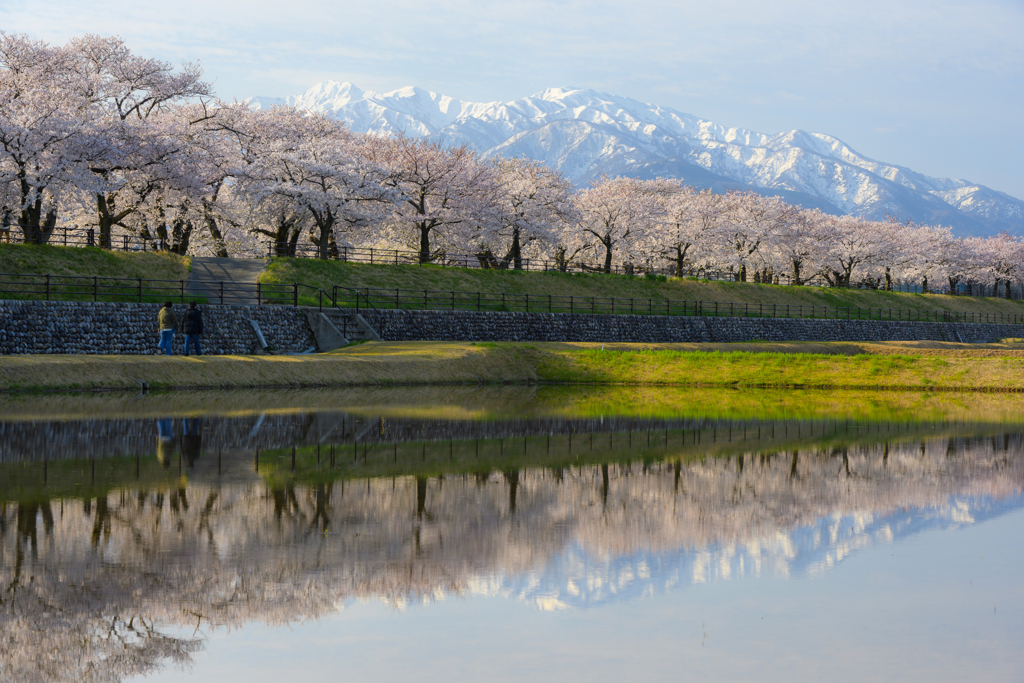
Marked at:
<point>79,237</point>
<point>407,299</point>
<point>141,290</point>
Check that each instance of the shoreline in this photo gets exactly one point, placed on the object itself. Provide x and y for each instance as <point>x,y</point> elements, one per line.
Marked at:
<point>904,366</point>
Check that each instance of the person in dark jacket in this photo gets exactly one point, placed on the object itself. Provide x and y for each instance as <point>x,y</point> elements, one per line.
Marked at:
<point>192,327</point>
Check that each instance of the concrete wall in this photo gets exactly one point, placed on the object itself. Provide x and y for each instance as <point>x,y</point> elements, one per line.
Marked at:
<point>131,328</point>
<point>394,325</point>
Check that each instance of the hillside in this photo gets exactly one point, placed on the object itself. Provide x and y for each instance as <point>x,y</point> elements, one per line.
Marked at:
<point>324,274</point>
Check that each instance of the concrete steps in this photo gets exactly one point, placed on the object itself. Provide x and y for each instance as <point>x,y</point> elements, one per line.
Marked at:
<point>337,327</point>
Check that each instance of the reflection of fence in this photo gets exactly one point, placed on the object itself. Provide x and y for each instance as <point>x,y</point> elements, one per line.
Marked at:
<point>408,299</point>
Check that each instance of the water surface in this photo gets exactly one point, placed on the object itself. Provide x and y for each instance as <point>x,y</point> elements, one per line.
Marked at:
<point>463,533</point>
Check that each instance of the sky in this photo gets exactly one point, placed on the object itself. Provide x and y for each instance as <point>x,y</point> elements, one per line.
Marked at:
<point>934,85</point>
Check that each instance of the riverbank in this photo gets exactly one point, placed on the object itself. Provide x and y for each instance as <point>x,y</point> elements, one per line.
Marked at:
<point>891,365</point>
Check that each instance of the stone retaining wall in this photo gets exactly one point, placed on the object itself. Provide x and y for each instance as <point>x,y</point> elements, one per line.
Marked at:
<point>395,325</point>
<point>131,328</point>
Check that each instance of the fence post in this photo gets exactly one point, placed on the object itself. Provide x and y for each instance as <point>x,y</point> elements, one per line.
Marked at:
<point>295,294</point>
<point>140,290</point>
<point>65,236</point>
<point>527,302</point>
<point>397,304</point>
<point>259,293</point>
<point>181,287</point>
<point>95,288</point>
<point>549,303</point>
<point>571,301</point>
<point>478,301</point>
<point>221,292</point>
<point>425,299</point>
<point>371,256</point>
<point>453,299</point>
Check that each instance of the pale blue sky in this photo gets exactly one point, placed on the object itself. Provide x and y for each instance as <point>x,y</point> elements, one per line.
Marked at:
<point>935,85</point>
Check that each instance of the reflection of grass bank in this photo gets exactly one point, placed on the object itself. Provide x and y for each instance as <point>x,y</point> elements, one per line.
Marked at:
<point>841,365</point>
<point>43,481</point>
<point>491,402</point>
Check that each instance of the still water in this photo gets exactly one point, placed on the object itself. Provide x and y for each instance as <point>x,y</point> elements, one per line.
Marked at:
<point>508,534</point>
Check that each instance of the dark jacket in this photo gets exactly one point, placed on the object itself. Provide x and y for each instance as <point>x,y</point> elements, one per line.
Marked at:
<point>192,322</point>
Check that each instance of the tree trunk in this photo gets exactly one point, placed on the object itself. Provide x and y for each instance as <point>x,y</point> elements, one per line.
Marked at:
<point>796,272</point>
<point>888,279</point>
<point>106,221</point>
<point>424,242</point>
<point>924,285</point>
<point>743,272</point>
<point>607,255</point>
<point>517,251</point>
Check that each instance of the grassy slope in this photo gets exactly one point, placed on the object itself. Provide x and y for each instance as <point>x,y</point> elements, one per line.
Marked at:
<point>326,273</point>
<point>840,365</point>
<point>52,260</point>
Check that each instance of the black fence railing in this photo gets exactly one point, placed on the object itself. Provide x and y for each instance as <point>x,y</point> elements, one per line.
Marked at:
<point>141,290</point>
<point>408,299</point>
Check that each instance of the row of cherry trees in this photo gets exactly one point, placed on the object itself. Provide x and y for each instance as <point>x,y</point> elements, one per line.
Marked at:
<point>93,135</point>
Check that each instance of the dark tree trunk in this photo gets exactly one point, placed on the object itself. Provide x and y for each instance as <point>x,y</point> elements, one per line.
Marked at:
<point>517,251</point>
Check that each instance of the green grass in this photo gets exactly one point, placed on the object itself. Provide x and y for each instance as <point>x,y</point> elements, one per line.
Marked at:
<point>64,264</point>
<point>836,365</point>
<point>324,274</point>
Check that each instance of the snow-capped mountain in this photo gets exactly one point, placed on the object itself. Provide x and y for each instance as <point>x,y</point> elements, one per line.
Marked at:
<point>584,134</point>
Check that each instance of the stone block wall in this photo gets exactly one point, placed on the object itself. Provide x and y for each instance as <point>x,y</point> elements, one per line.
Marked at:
<point>131,328</point>
<point>396,325</point>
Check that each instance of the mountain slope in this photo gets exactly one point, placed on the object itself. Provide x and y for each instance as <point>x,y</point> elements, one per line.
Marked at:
<point>586,134</point>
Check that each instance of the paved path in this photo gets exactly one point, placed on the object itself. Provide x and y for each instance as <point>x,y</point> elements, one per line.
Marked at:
<point>238,275</point>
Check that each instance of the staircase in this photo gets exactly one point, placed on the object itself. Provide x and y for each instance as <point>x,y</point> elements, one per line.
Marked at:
<point>337,327</point>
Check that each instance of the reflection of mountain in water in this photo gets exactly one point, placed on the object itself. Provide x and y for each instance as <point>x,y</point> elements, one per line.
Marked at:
<point>101,576</point>
<point>577,579</point>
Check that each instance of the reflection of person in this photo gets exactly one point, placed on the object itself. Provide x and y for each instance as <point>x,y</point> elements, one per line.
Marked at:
<point>164,441</point>
<point>192,327</point>
<point>192,440</point>
<point>168,323</point>
<point>5,225</point>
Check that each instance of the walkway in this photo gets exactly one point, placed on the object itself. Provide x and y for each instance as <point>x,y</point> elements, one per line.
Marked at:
<point>238,275</point>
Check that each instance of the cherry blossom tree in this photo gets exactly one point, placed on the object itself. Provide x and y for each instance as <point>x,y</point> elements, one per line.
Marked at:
<point>616,214</point>
<point>534,202</point>
<point>445,194</point>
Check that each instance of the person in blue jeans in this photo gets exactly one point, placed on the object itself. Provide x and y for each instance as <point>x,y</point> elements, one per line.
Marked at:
<point>192,327</point>
<point>168,323</point>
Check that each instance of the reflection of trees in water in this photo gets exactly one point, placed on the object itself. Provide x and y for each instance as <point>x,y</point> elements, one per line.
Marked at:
<point>96,575</point>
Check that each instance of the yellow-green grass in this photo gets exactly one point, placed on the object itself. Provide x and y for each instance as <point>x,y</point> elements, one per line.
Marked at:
<point>839,365</point>
<point>325,274</point>
<point>55,260</point>
<point>497,402</point>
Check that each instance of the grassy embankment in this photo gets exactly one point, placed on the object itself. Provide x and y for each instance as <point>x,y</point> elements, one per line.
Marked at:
<point>894,365</point>
<point>85,262</point>
<point>324,274</point>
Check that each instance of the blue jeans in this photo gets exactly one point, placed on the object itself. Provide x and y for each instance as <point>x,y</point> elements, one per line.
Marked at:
<point>166,341</point>
<point>192,339</point>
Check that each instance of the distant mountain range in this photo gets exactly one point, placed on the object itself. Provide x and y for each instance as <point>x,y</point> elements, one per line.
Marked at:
<point>584,134</point>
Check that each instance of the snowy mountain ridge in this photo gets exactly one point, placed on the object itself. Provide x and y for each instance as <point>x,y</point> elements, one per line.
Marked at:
<point>585,133</point>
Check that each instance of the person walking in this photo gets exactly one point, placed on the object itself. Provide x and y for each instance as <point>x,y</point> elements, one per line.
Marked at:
<point>5,226</point>
<point>192,327</point>
<point>168,323</point>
